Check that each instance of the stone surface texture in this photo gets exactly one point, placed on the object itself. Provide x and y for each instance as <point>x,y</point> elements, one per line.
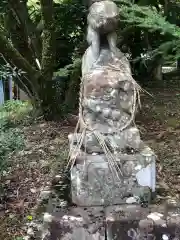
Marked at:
<point>94,182</point>
<point>120,222</point>
<point>77,224</point>
<point>133,222</point>
<point>111,165</point>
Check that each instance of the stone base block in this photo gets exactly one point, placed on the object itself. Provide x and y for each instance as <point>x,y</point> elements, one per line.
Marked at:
<point>134,222</point>
<point>129,138</point>
<point>94,183</point>
<point>77,224</point>
<point>121,222</point>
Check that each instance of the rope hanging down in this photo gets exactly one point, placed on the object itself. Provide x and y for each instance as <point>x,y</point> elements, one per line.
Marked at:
<point>75,150</point>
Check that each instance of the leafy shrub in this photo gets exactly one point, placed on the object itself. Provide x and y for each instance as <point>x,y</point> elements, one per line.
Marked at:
<point>10,140</point>
<point>12,113</point>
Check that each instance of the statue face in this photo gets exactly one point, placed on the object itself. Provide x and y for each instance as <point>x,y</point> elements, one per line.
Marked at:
<point>103,16</point>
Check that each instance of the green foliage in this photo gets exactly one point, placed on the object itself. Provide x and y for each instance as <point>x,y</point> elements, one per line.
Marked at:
<point>14,106</point>
<point>70,24</point>
<point>69,69</point>
<point>148,18</point>
<point>72,72</point>
<point>10,140</point>
<point>18,238</point>
<point>7,71</point>
<point>147,27</point>
<point>12,113</point>
<point>150,32</point>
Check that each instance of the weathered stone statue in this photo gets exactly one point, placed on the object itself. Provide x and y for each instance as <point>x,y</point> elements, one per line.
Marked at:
<point>110,163</point>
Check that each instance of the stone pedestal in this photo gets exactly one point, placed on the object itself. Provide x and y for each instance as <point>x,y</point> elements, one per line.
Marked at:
<point>120,222</point>
<point>117,141</point>
<point>95,183</point>
<point>127,222</point>
<point>76,224</point>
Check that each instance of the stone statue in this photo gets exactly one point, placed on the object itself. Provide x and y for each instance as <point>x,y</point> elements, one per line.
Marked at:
<point>103,54</point>
<point>108,157</point>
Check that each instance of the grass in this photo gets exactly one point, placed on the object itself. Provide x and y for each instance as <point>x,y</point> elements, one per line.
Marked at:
<point>13,113</point>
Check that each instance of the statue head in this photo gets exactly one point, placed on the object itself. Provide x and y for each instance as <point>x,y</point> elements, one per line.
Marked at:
<point>103,16</point>
<point>93,1</point>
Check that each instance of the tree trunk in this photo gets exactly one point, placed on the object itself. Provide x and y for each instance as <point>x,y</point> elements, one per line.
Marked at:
<point>48,58</point>
<point>27,32</point>
<point>178,64</point>
<point>25,50</point>
<point>155,69</point>
<point>18,37</point>
<point>72,95</point>
<point>13,56</point>
<point>156,73</point>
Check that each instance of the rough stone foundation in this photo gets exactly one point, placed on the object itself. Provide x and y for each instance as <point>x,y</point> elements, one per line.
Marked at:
<point>121,222</point>
<point>95,184</point>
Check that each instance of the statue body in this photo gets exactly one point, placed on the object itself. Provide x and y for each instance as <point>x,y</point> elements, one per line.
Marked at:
<point>107,153</point>
<point>108,87</point>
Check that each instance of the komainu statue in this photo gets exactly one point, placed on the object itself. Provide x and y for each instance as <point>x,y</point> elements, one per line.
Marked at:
<point>110,163</point>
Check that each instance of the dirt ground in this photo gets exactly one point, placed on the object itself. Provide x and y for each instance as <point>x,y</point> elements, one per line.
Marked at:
<point>159,122</point>
<point>47,147</point>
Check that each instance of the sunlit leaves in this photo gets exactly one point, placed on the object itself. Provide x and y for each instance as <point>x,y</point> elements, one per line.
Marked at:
<point>148,18</point>
<point>153,17</point>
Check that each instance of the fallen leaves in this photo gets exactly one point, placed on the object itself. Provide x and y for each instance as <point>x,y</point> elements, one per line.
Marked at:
<point>29,217</point>
<point>160,117</point>
<point>31,170</point>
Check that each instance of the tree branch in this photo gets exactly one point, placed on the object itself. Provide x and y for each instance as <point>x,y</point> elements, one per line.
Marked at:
<point>30,34</point>
<point>14,57</point>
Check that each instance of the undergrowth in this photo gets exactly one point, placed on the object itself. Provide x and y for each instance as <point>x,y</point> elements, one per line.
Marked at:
<point>13,114</point>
